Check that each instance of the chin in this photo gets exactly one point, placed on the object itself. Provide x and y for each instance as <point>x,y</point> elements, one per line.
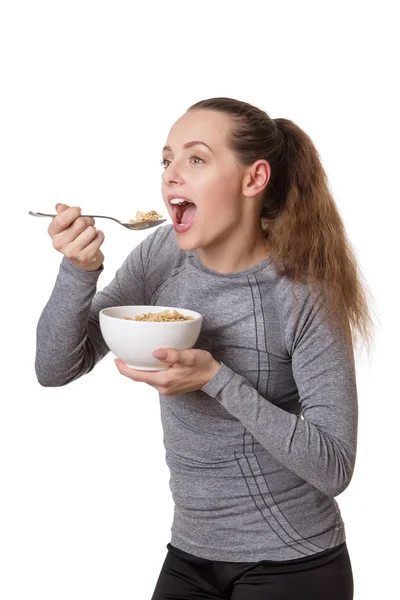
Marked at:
<point>186,244</point>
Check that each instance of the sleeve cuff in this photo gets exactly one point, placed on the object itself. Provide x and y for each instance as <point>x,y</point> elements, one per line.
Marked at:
<point>217,383</point>
<point>80,274</point>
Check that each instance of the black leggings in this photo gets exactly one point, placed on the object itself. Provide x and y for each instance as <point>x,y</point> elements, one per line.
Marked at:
<point>326,575</point>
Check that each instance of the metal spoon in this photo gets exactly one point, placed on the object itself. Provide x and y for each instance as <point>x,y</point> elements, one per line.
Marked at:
<point>137,225</point>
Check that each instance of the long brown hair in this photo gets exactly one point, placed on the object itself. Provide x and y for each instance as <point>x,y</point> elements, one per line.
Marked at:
<point>306,236</point>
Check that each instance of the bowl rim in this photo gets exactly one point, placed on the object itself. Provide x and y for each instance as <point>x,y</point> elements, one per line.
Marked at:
<point>197,317</point>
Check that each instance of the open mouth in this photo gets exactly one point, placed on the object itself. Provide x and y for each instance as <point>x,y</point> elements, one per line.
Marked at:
<point>184,212</point>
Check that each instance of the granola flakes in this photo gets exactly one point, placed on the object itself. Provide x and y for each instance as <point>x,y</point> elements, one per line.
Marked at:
<point>149,216</point>
<point>164,316</point>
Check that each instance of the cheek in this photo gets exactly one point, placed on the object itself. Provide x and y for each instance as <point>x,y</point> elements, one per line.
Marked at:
<point>220,185</point>
<point>221,194</point>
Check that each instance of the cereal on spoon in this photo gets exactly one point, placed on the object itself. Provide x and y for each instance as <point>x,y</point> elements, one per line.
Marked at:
<point>141,216</point>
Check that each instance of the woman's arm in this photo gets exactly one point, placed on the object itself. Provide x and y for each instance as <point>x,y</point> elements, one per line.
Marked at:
<point>321,447</point>
<point>69,340</point>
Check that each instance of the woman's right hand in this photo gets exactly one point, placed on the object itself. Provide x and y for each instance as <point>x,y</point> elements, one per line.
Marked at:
<point>77,238</point>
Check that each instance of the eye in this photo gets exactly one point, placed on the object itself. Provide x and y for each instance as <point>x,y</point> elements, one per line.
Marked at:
<point>196,158</point>
<point>163,161</point>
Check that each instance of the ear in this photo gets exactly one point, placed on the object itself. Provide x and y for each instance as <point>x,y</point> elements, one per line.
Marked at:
<point>256,178</point>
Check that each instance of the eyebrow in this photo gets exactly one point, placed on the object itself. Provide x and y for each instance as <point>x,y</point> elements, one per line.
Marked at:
<point>189,145</point>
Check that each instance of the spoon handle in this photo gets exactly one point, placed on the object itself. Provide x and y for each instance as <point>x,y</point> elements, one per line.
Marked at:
<point>39,214</point>
<point>102,217</point>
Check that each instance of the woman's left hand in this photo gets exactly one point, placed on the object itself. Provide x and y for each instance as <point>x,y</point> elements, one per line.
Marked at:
<point>190,370</point>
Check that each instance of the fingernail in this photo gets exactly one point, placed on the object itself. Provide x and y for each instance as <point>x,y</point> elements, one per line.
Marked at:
<point>160,354</point>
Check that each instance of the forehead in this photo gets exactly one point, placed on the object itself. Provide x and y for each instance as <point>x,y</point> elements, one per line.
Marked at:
<point>208,126</point>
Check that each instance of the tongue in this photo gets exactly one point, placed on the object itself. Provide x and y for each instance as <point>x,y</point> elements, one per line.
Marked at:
<point>189,214</point>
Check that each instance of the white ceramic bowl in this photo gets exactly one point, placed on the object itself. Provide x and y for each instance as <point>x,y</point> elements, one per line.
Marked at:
<point>135,341</point>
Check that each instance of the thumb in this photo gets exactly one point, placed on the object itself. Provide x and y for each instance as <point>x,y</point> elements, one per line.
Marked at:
<point>162,354</point>
<point>61,207</point>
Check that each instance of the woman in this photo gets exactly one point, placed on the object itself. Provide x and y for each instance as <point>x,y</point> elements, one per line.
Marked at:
<point>260,419</point>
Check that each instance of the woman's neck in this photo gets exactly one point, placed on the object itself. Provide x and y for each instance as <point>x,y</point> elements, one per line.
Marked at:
<point>235,254</point>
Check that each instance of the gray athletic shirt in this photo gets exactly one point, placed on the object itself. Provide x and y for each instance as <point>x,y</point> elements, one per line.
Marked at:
<point>258,454</point>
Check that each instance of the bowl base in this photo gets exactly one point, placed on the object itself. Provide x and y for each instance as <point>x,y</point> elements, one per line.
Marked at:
<point>146,368</point>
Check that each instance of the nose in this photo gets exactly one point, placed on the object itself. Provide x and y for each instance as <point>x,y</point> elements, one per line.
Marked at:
<point>171,175</point>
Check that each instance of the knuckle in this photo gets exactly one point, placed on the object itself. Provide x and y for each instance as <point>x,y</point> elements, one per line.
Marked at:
<point>82,223</point>
<point>57,244</point>
<point>61,220</point>
<point>75,255</point>
<point>65,219</point>
<point>88,229</point>
<point>68,217</point>
<point>84,256</point>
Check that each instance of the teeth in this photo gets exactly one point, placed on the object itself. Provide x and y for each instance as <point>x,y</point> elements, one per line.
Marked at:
<point>179,201</point>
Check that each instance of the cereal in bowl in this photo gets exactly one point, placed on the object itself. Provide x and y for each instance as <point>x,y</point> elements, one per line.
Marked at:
<point>164,316</point>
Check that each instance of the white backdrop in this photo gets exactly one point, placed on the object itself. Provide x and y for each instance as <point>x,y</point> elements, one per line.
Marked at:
<point>89,93</point>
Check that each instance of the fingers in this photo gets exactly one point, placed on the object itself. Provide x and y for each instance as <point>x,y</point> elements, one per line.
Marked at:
<point>61,207</point>
<point>171,355</point>
<point>69,228</point>
<point>156,379</point>
<point>64,219</point>
<point>77,237</point>
<point>85,247</point>
<point>72,232</point>
<point>68,217</point>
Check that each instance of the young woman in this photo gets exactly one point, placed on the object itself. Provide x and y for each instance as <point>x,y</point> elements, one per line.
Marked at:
<point>260,418</point>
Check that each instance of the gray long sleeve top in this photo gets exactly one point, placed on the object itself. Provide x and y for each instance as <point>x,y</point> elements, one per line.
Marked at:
<point>257,455</point>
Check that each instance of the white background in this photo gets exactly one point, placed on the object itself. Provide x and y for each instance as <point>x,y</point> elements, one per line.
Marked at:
<point>89,91</point>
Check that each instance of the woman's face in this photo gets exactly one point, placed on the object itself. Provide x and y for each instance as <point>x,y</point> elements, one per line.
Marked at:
<point>208,175</point>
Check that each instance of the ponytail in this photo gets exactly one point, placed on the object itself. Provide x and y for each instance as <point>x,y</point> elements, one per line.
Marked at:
<point>300,220</point>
